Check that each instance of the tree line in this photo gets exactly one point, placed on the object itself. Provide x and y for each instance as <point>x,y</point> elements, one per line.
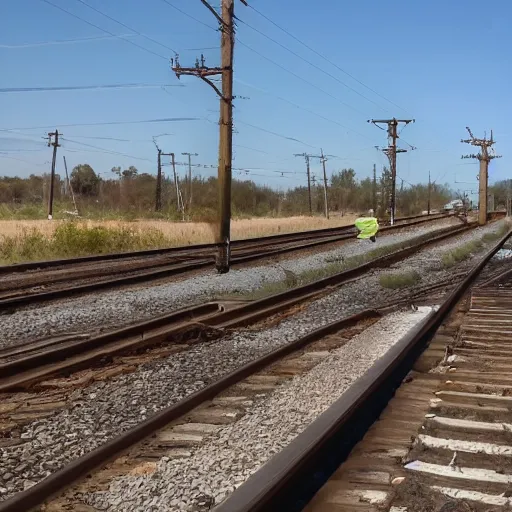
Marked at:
<point>129,192</point>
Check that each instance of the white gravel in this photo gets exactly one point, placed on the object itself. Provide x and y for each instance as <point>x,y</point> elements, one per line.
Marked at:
<point>115,308</point>
<point>236,451</point>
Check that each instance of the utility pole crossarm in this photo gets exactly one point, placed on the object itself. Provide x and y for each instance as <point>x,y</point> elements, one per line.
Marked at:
<point>484,157</point>
<point>226,20</point>
<point>391,151</point>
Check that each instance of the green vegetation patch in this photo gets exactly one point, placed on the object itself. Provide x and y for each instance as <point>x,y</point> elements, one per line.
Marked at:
<point>399,280</point>
<point>71,239</point>
<point>465,251</point>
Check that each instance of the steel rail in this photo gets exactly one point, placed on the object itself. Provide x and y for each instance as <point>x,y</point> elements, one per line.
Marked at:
<point>37,265</point>
<point>265,490</point>
<point>79,468</point>
<point>72,355</point>
<point>17,300</point>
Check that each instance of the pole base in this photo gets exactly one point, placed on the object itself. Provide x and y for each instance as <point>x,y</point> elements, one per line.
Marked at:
<point>222,260</point>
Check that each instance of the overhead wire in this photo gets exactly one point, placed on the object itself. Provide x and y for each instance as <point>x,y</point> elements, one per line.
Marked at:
<point>126,26</point>
<point>303,108</point>
<point>105,149</point>
<point>103,30</point>
<point>105,123</point>
<point>63,41</point>
<point>324,57</point>
<point>189,15</point>
<point>312,64</point>
<point>296,75</point>
<point>85,87</point>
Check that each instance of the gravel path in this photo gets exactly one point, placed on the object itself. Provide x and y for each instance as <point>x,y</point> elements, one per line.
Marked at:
<point>106,310</point>
<point>239,449</point>
<point>103,410</point>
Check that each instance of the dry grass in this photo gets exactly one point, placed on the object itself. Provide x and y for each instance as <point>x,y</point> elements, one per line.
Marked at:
<point>185,233</point>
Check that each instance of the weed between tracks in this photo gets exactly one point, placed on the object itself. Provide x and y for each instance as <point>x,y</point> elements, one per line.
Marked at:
<point>466,251</point>
<point>399,280</point>
<point>334,265</point>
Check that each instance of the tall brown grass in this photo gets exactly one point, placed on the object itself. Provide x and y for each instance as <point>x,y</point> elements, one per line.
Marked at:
<point>29,240</point>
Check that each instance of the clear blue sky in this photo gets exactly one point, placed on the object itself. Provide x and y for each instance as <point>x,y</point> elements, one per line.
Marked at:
<point>445,63</point>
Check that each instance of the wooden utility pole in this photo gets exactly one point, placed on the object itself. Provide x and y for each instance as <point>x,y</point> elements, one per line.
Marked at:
<point>190,155</point>
<point>308,172</point>
<point>158,199</point>
<point>374,191</point>
<point>485,156</point>
<point>158,192</point>
<point>429,193</point>
<point>53,140</point>
<point>391,152</point>
<point>326,204</point>
<point>227,30</point>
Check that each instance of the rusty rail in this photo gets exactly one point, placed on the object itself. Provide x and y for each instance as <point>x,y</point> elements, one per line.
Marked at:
<point>269,488</point>
<point>34,367</point>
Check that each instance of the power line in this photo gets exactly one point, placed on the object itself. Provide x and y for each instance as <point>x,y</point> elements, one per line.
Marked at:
<point>163,120</point>
<point>20,160</point>
<point>312,64</point>
<point>299,77</point>
<point>103,30</point>
<point>189,15</point>
<point>302,108</point>
<point>126,26</point>
<point>293,139</point>
<point>62,41</point>
<point>85,87</point>
<point>105,150</point>
<point>325,58</point>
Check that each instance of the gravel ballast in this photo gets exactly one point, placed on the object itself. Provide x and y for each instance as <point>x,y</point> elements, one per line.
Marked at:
<point>111,309</point>
<point>105,409</point>
<point>236,451</point>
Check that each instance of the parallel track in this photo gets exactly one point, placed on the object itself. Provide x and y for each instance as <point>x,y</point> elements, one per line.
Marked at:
<point>33,362</point>
<point>37,282</point>
<point>442,440</point>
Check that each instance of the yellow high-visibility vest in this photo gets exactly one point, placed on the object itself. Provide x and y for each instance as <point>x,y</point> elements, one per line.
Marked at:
<point>367,226</point>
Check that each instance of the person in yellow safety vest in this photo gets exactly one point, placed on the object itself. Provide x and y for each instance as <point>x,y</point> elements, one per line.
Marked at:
<point>367,227</point>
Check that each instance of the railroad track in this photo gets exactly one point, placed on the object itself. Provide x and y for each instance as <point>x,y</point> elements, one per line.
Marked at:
<point>427,428</point>
<point>36,282</point>
<point>192,420</point>
<point>28,364</point>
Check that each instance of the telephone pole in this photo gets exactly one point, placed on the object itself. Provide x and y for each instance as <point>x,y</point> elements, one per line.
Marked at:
<point>326,204</point>
<point>374,191</point>
<point>308,171</point>
<point>227,30</point>
<point>391,152</point>
<point>158,194</point>
<point>485,156</point>
<point>158,199</point>
<point>190,155</point>
<point>429,192</point>
<point>53,140</point>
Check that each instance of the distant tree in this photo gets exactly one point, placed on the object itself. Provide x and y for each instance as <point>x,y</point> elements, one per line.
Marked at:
<point>343,185</point>
<point>84,180</point>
